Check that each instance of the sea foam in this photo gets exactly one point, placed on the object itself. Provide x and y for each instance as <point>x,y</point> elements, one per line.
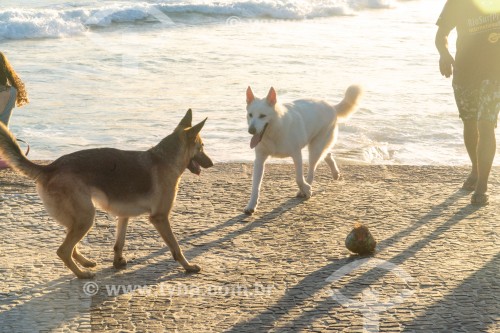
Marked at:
<point>76,19</point>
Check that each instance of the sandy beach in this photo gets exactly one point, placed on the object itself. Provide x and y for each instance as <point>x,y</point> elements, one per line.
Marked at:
<point>284,269</point>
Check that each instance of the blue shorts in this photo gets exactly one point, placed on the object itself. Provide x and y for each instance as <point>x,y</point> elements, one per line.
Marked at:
<point>5,115</point>
<point>480,102</point>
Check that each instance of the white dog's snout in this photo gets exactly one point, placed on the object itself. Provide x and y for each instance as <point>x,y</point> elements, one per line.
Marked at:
<point>252,129</point>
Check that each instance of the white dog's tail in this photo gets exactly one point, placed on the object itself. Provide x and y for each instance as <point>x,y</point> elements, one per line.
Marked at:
<point>348,105</point>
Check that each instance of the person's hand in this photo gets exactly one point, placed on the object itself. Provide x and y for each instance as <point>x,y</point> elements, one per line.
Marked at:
<point>446,63</point>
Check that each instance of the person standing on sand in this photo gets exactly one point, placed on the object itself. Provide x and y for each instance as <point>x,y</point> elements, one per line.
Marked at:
<point>12,93</point>
<point>476,81</point>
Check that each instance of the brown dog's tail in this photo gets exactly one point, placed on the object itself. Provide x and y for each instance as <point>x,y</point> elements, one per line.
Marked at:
<point>12,154</point>
<point>348,105</point>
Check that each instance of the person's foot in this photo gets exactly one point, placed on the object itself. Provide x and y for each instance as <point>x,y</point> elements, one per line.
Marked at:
<point>470,183</point>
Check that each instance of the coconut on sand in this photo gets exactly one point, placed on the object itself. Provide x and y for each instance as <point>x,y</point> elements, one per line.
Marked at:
<point>360,240</point>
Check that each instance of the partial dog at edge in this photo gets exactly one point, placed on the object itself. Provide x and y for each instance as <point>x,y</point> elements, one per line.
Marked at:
<point>282,130</point>
<point>122,183</point>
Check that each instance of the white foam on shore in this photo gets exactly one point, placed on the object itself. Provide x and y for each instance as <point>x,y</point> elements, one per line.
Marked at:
<point>75,19</point>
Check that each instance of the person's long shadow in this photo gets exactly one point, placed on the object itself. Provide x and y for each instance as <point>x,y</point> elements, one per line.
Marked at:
<point>316,281</point>
<point>472,306</point>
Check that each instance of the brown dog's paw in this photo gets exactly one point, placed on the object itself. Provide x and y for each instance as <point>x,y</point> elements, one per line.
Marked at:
<point>120,263</point>
<point>249,211</point>
<point>193,269</point>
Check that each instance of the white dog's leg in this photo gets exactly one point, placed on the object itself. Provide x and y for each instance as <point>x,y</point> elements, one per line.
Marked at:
<point>258,172</point>
<point>304,188</point>
<point>314,159</point>
<point>323,142</point>
<point>333,166</point>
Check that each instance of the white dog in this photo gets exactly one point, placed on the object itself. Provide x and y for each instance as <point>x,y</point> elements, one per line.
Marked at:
<point>282,130</point>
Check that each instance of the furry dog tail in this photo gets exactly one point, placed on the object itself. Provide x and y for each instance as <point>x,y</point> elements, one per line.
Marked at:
<point>12,154</point>
<point>348,105</point>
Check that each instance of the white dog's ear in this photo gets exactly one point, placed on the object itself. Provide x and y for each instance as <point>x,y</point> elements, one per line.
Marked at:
<point>271,97</point>
<point>250,96</point>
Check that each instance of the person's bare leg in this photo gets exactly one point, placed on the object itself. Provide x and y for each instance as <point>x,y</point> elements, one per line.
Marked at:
<point>471,144</point>
<point>486,148</point>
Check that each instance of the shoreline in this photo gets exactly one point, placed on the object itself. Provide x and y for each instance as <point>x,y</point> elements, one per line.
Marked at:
<point>350,172</point>
<point>279,161</point>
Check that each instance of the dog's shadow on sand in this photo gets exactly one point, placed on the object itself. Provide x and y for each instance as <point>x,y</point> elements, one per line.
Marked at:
<point>166,269</point>
<point>218,235</point>
<point>249,222</point>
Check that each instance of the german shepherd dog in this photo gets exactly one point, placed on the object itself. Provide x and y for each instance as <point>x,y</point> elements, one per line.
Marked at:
<point>122,183</point>
<point>282,130</point>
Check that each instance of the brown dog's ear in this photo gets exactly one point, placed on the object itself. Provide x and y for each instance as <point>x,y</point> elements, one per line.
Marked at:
<point>186,121</point>
<point>250,95</point>
<point>271,97</point>
<point>193,131</point>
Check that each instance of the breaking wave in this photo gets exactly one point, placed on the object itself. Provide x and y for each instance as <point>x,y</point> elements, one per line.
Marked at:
<point>69,20</point>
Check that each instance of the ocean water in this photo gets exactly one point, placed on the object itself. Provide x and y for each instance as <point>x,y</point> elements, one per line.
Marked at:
<point>122,73</point>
